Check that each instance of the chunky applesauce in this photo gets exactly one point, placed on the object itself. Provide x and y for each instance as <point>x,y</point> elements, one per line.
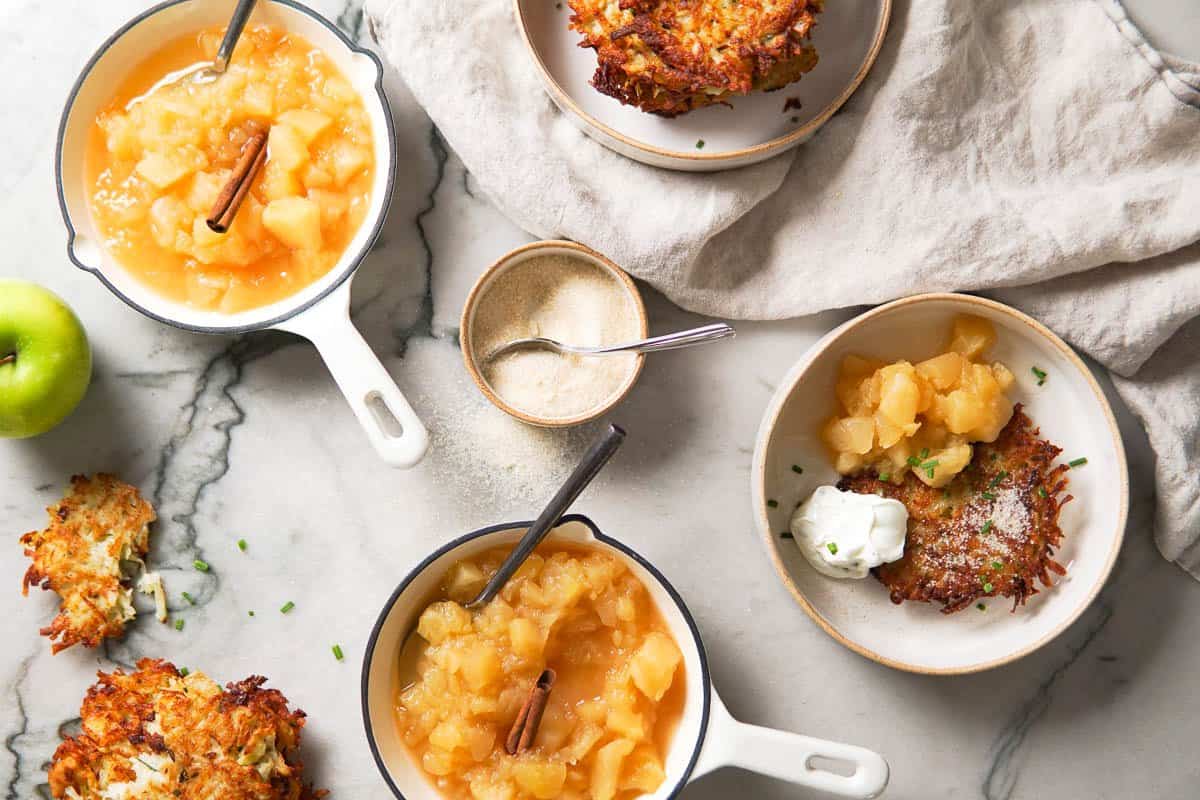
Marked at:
<point>159,156</point>
<point>923,417</point>
<point>610,715</point>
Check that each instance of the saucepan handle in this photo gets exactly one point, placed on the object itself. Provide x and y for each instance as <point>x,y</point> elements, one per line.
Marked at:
<point>790,757</point>
<point>389,421</point>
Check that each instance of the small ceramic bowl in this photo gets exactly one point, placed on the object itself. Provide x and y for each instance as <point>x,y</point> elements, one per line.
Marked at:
<point>318,312</point>
<point>1069,408</point>
<point>706,738</point>
<point>548,247</point>
<point>848,37</point>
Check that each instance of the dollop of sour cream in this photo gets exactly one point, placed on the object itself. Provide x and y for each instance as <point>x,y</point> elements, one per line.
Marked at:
<point>844,534</point>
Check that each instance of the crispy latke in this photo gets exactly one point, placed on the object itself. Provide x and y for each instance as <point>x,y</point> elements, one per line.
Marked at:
<point>990,532</point>
<point>101,522</point>
<point>669,57</point>
<point>169,736</point>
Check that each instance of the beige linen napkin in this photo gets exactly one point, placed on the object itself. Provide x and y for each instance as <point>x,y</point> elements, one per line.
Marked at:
<point>1039,149</point>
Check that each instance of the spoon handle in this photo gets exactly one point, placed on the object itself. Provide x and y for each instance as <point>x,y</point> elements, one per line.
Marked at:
<point>241,15</point>
<point>672,341</point>
<point>596,457</point>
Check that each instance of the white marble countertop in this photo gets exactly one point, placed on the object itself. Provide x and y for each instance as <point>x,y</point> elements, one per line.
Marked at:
<point>248,438</point>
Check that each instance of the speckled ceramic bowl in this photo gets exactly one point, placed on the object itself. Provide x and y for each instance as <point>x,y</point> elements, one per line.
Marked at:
<point>1071,411</point>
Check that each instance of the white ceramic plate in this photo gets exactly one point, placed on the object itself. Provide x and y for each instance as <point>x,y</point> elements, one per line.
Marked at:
<point>848,36</point>
<point>1069,408</point>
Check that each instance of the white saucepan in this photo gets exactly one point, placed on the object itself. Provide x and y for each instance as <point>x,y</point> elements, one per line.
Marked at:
<point>707,737</point>
<point>320,311</point>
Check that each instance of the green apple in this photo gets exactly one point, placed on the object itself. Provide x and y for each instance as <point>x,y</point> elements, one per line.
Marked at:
<point>45,361</point>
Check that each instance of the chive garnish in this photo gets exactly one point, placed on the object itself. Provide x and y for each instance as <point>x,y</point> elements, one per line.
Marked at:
<point>147,766</point>
<point>885,476</point>
<point>913,461</point>
<point>924,453</point>
<point>981,606</point>
<point>178,624</point>
<point>183,672</point>
<point>251,613</point>
<point>997,564</point>
<point>1041,491</point>
<point>772,504</point>
<point>831,547</point>
<point>699,144</point>
<point>929,466</point>
<point>288,606</point>
<point>191,600</point>
<point>988,496</point>
<point>202,566</point>
<point>987,587</point>
<point>796,468</point>
<point>1079,462</point>
<point>987,526</point>
<point>1001,475</point>
<point>337,652</point>
<point>1040,374</point>
<point>242,545</point>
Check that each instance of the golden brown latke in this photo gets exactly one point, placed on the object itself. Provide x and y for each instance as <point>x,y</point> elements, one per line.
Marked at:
<point>101,522</point>
<point>990,532</point>
<point>669,57</point>
<point>181,738</point>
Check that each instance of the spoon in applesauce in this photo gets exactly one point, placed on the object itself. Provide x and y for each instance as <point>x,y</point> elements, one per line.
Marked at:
<point>597,455</point>
<point>208,71</point>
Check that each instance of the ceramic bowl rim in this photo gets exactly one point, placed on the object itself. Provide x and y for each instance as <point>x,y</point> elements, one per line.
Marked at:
<point>348,264</point>
<point>704,682</point>
<point>788,386</point>
<point>466,322</point>
<point>733,158</point>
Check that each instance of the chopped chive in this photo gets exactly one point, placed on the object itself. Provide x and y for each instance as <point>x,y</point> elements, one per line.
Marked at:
<point>997,565</point>
<point>796,468</point>
<point>913,461</point>
<point>831,547</point>
<point>1079,462</point>
<point>924,453</point>
<point>191,600</point>
<point>1040,374</point>
<point>242,545</point>
<point>987,496</point>
<point>183,672</point>
<point>786,535</point>
<point>987,526</point>
<point>337,652</point>
<point>885,476</point>
<point>147,766</point>
<point>251,613</point>
<point>699,144</point>
<point>772,504</point>
<point>202,566</point>
<point>1041,491</point>
<point>1001,475</point>
<point>178,624</point>
<point>929,466</point>
<point>981,606</point>
<point>987,587</point>
<point>288,606</point>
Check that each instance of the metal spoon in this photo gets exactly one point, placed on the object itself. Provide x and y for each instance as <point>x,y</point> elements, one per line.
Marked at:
<point>668,341</point>
<point>207,72</point>
<point>597,455</point>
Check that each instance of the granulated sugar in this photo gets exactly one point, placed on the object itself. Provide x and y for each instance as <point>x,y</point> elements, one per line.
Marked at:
<point>563,298</point>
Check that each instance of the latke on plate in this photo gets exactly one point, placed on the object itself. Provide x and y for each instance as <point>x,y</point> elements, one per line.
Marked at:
<point>990,532</point>
<point>668,57</point>
<point>100,523</point>
<point>155,733</point>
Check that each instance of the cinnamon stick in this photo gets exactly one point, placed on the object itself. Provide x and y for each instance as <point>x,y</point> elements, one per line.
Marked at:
<point>254,155</point>
<point>525,729</point>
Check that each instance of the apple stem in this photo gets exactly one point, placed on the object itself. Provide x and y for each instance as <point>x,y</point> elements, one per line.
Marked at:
<point>8,358</point>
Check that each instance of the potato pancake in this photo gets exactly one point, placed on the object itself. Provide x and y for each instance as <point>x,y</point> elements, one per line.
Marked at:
<point>990,532</point>
<point>156,733</point>
<point>101,522</point>
<point>668,57</point>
